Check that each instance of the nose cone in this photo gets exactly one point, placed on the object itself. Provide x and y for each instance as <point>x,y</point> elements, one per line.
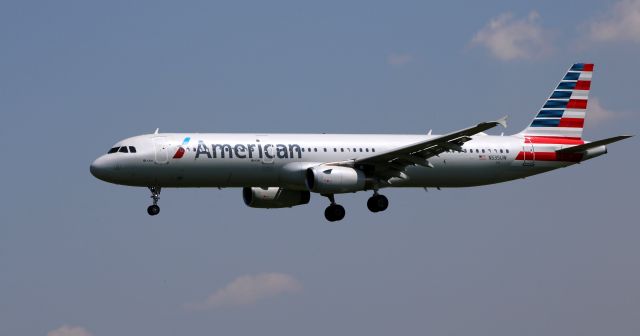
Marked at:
<point>101,168</point>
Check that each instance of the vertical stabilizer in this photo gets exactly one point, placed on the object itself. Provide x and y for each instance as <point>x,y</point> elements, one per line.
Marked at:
<point>564,112</point>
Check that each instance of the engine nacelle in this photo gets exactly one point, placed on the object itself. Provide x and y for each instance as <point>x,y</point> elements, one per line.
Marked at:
<point>274,197</point>
<point>334,180</point>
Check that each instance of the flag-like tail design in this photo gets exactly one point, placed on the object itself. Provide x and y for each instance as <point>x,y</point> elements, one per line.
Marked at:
<point>564,112</point>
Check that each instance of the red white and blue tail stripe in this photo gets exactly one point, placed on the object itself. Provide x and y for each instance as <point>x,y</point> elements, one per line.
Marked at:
<point>564,112</point>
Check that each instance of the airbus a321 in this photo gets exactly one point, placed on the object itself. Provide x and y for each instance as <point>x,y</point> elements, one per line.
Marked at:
<point>282,170</point>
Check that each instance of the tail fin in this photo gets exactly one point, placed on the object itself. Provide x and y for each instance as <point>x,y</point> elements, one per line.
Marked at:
<point>564,112</point>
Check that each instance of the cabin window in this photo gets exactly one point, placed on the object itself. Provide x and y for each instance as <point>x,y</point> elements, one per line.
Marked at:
<point>342,149</point>
<point>113,150</point>
<point>335,149</point>
<point>302,149</point>
<point>325,149</point>
<point>373,149</point>
<point>315,149</point>
<point>132,149</point>
<point>366,150</point>
<point>507,150</point>
<point>477,150</point>
<point>501,151</point>
<point>123,149</point>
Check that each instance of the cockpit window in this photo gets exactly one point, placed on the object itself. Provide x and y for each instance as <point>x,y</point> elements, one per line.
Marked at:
<point>132,149</point>
<point>113,150</point>
<point>123,149</point>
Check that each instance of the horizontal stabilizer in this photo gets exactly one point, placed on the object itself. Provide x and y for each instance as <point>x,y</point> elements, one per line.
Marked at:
<point>590,145</point>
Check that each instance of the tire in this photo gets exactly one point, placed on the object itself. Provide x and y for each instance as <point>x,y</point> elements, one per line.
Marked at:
<point>334,212</point>
<point>153,210</point>
<point>377,203</point>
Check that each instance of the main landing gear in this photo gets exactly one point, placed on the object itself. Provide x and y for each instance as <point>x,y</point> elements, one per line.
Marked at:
<point>377,202</point>
<point>334,212</point>
<point>154,209</point>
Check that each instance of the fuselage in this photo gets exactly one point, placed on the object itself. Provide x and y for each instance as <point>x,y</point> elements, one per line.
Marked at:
<point>279,160</point>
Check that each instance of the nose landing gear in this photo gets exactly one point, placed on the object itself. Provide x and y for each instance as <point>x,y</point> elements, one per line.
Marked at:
<point>154,209</point>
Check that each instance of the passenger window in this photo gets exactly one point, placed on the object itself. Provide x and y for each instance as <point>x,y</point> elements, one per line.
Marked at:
<point>501,151</point>
<point>309,149</point>
<point>366,150</point>
<point>325,149</point>
<point>477,150</point>
<point>113,150</point>
<point>335,149</point>
<point>132,149</point>
<point>123,149</point>
<point>302,149</point>
<point>373,149</point>
<point>483,150</point>
<point>507,150</point>
<point>342,149</point>
<point>360,150</point>
<point>315,149</point>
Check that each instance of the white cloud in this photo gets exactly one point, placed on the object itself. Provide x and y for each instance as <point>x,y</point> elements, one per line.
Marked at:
<point>248,289</point>
<point>397,59</point>
<point>597,114</point>
<point>621,23</point>
<point>508,38</point>
<point>66,330</point>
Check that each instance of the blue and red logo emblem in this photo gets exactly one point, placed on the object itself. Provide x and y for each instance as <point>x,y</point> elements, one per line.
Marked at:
<point>180,152</point>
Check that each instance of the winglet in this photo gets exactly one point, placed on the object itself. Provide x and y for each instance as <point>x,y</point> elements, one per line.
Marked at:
<point>503,121</point>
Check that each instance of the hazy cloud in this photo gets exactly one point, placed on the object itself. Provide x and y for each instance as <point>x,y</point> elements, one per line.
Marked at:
<point>398,59</point>
<point>66,330</point>
<point>508,38</point>
<point>596,113</point>
<point>621,23</point>
<point>248,289</point>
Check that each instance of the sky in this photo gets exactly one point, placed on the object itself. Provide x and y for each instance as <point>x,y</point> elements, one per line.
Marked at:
<point>555,254</point>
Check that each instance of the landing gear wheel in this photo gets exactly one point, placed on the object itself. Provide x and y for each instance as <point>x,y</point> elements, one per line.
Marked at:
<point>334,212</point>
<point>153,210</point>
<point>377,203</point>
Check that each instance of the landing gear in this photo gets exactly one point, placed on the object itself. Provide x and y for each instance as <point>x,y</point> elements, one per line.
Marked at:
<point>154,209</point>
<point>377,203</point>
<point>334,212</point>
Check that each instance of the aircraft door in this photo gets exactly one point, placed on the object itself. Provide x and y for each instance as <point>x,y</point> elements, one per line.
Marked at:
<point>269,154</point>
<point>268,151</point>
<point>529,153</point>
<point>161,150</point>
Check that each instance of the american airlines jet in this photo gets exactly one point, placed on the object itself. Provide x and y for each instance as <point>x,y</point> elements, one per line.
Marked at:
<point>282,170</point>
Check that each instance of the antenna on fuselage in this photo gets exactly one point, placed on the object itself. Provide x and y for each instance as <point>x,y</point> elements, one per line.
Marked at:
<point>157,130</point>
<point>429,132</point>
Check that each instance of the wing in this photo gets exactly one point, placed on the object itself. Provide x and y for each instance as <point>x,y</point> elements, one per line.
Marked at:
<point>393,163</point>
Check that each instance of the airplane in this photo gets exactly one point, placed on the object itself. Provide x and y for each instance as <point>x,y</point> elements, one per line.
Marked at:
<point>282,170</point>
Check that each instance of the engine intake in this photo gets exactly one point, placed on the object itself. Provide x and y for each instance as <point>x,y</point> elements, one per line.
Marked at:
<point>334,180</point>
<point>274,197</point>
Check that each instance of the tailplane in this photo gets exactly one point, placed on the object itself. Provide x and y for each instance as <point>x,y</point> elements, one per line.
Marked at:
<point>564,112</point>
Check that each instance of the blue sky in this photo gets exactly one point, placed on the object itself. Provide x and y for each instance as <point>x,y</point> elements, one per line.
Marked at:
<point>554,254</point>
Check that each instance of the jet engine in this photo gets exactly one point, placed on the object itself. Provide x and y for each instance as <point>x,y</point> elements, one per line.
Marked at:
<point>334,179</point>
<point>274,197</point>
